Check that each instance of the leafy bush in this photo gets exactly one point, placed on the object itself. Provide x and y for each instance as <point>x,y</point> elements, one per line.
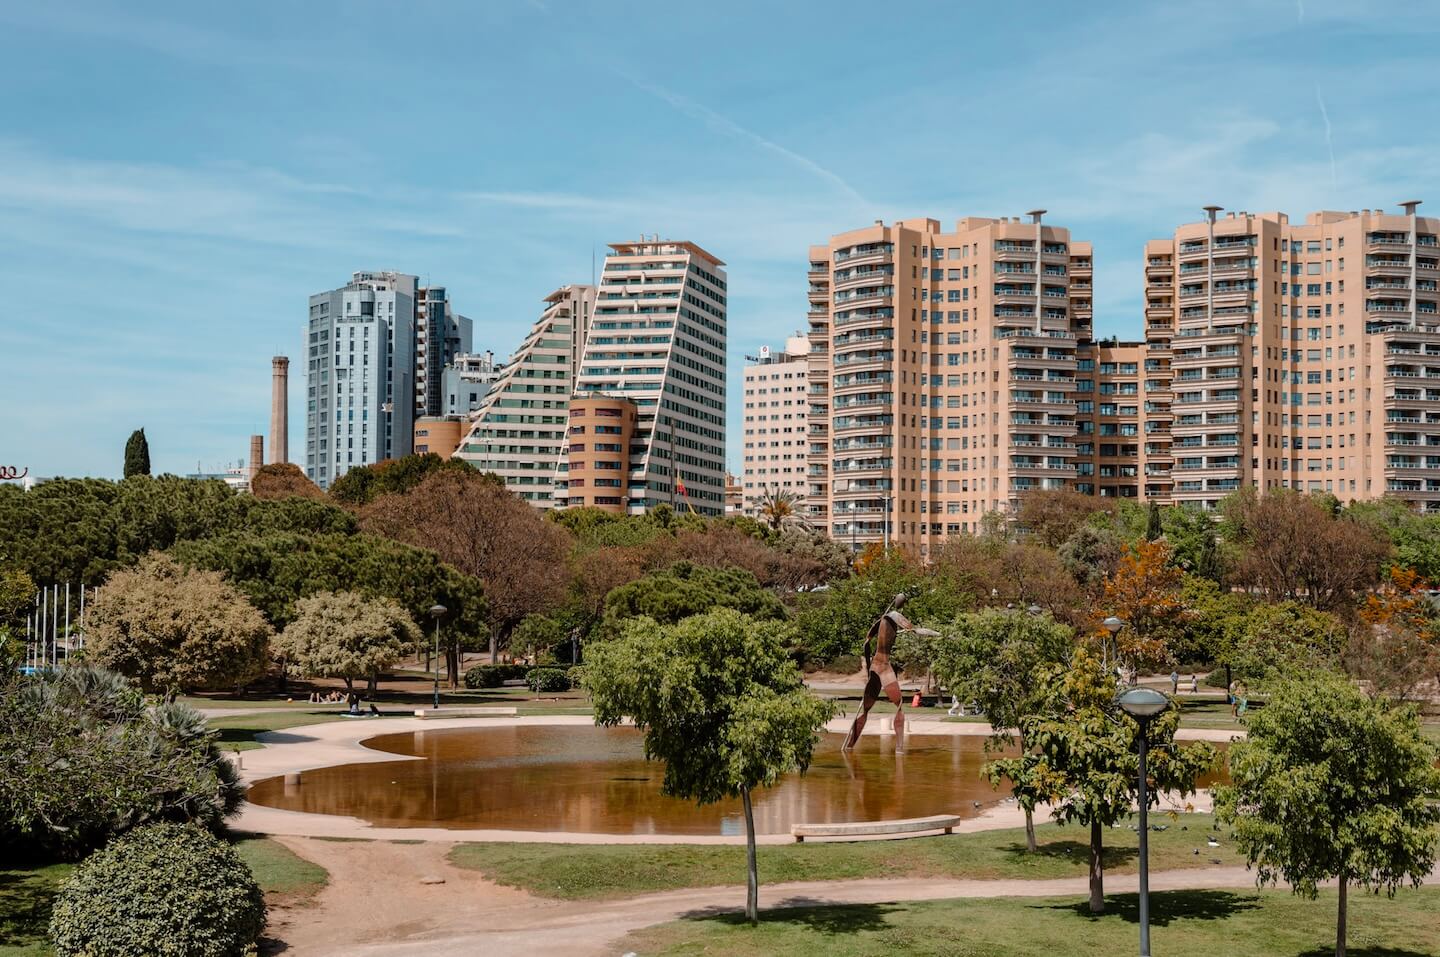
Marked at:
<point>493,676</point>
<point>82,758</point>
<point>163,888</point>
<point>548,679</point>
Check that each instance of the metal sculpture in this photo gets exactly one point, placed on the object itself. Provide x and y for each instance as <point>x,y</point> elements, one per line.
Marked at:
<point>880,674</point>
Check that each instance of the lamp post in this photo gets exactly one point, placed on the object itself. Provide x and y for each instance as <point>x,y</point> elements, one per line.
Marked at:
<point>437,612</point>
<point>1144,704</point>
<point>1112,625</point>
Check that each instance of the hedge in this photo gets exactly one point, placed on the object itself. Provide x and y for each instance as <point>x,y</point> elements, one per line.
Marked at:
<point>548,679</point>
<point>162,889</point>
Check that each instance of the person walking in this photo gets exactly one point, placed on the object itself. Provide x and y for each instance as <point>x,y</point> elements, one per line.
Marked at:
<point>1174,683</point>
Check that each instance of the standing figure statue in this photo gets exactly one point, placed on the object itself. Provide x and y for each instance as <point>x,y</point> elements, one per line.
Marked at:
<point>880,674</point>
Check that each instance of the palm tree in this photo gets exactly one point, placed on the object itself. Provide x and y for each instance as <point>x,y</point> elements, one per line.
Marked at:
<point>777,507</point>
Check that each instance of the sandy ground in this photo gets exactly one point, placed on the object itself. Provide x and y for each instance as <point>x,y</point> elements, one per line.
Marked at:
<point>377,906</point>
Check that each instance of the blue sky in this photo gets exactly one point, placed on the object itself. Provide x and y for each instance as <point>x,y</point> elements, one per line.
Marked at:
<point>176,179</point>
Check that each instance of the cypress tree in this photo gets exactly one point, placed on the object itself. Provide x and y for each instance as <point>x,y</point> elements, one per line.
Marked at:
<point>137,454</point>
<point>1153,528</point>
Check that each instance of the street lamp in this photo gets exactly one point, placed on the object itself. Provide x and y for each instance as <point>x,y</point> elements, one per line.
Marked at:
<point>437,612</point>
<point>1144,704</point>
<point>1112,625</point>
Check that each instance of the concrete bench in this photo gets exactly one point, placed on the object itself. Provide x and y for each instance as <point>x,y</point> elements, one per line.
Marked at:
<point>910,825</point>
<point>490,712</point>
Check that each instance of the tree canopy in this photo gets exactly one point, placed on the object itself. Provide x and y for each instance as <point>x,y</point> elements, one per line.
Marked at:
<point>718,700</point>
<point>685,589</point>
<point>345,635</point>
<point>1087,757</point>
<point>137,454</point>
<point>1330,784</point>
<point>174,629</point>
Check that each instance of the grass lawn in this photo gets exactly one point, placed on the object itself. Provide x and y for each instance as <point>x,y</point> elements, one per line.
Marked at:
<point>1197,923</point>
<point>238,733</point>
<point>26,893</point>
<point>281,873</point>
<point>575,872</point>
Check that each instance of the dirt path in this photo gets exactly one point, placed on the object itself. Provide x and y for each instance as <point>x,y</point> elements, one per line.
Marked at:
<point>377,906</point>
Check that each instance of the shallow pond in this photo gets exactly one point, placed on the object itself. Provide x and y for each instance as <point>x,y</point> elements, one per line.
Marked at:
<point>587,779</point>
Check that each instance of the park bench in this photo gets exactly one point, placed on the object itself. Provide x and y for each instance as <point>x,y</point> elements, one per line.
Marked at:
<point>488,712</point>
<point>909,825</point>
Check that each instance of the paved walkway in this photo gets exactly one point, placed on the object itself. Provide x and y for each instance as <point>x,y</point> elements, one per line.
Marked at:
<point>377,906</point>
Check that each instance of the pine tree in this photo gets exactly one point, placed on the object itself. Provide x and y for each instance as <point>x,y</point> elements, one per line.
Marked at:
<point>137,454</point>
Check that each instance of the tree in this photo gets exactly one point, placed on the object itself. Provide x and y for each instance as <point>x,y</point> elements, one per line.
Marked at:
<point>1088,765</point>
<point>685,589</point>
<point>834,622</point>
<point>1295,548</point>
<point>283,480</point>
<point>1395,646</point>
<point>1332,785</point>
<point>345,635</point>
<point>719,702</point>
<point>1278,641</point>
<point>176,629</point>
<point>17,590</point>
<point>137,454</point>
<point>80,530</point>
<point>485,532</point>
<point>1005,662</point>
<point>1052,516</point>
<point>777,507</point>
<point>1145,593</point>
<point>1153,529</point>
<point>360,486</point>
<point>277,569</point>
<point>1194,543</point>
<point>1215,621</point>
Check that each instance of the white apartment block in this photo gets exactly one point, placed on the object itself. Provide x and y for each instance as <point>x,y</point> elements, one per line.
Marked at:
<point>360,374</point>
<point>658,339</point>
<point>775,427</point>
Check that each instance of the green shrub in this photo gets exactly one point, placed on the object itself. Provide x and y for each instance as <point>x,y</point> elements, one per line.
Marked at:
<point>110,763</point>
<point>493,676</point>
<point>548,679</point>
<point>162,889</point>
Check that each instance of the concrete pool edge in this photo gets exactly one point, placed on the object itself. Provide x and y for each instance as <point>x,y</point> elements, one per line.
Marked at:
<point>309,747</point>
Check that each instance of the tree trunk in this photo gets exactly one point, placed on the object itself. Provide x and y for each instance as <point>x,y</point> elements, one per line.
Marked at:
<point>752,890</point>
<point>372,685</point>
<point>494,647</point>
<point>1030,844</point>
<point>1097,868</point>
<point>1340,922</point>
<point>349,684</point>
<point>452,666</point>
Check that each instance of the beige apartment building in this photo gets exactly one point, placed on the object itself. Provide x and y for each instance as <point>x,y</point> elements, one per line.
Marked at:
<point>1304,356</point>
<point>951,372</point>
<point>776,424</point>
<point>942,374</point>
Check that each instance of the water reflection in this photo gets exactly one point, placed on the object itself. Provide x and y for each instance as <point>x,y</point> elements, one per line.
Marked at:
<point>597,780</point>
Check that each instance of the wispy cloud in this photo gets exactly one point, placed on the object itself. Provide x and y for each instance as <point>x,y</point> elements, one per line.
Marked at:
<point>1329,136</point>
<point>724,124</point>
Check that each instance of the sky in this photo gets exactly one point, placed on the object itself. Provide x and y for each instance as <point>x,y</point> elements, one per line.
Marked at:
<point>177,178</point>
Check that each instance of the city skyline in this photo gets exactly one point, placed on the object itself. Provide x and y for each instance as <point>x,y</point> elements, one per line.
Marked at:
<point>183,226</point>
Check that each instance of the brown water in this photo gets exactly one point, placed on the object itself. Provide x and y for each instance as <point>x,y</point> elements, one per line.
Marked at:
<point>597,780</point>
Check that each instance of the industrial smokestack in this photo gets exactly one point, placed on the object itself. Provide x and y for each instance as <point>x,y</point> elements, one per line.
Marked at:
<point>279,409</point>
<point>257,457</point>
